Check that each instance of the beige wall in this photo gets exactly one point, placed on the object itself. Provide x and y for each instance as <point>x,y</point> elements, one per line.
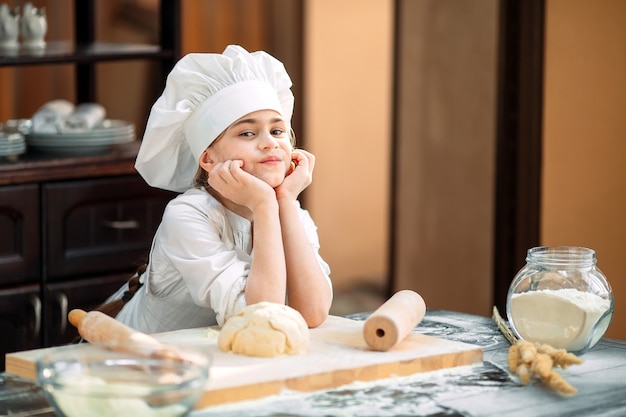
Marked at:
<point>348,47</point>
<point>584,166</point>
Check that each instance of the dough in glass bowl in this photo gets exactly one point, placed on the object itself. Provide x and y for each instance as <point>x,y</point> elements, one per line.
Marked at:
<point>265,329</point>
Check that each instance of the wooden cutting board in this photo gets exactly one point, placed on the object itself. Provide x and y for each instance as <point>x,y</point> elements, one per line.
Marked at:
<point>337,355</point>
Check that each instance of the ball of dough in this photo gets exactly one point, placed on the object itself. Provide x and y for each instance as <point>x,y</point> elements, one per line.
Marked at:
<point>265,329</point>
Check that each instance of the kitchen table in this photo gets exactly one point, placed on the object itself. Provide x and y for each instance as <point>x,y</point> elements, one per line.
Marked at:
<point>486,389</point>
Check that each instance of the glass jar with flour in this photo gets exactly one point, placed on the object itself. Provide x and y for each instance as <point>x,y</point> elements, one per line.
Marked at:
<point>561,298</point>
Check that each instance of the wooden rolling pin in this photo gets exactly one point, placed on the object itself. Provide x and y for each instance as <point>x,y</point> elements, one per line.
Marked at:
<point>102,330</point>
<point>394,320</point>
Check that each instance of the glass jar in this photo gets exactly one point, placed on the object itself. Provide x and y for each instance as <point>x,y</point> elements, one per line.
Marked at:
<point>560,298</point>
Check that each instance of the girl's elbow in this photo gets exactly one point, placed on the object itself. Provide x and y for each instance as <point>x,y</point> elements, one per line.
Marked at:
<point>316,318</point>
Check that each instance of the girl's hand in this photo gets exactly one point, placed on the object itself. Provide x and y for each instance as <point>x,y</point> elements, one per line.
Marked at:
<point>300,178</point>
<point>233,183</point>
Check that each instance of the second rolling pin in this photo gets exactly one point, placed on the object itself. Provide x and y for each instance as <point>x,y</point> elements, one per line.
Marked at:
<point>394,320</point>
<point>100,329</point>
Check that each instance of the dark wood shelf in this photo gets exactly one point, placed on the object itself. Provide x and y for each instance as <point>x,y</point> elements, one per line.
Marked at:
<point>56,252</point>
<point>36,167</point>
<point>66,52</point>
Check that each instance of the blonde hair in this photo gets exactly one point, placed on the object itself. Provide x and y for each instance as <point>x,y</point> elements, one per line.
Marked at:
<point>201,179</point>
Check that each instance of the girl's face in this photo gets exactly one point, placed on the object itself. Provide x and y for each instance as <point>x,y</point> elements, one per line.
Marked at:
<point>261,140</point>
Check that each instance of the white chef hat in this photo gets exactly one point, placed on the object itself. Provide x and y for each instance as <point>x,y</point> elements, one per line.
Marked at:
<point>204,94</point>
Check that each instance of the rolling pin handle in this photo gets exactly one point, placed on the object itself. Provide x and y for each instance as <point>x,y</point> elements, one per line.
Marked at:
<point>394,320</point>
<point>75,316</point>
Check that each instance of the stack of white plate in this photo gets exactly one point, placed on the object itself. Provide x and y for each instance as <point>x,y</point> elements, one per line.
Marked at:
<point>12,144</point>
<point>98,140</point>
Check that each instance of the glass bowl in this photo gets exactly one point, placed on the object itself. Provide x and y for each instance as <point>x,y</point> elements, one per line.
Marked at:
<point>100,382</point>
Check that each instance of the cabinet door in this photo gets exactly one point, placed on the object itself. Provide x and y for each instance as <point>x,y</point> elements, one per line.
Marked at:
<point>19,234</point>
<point>20,319</point>
<point>100,226</point>
<point>61,298</point>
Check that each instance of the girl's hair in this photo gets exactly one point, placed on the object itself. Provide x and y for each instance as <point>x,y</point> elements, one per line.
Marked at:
<point>201,179</point>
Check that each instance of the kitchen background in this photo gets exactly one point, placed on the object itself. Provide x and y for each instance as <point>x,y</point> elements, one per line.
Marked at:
<point>340,54</point>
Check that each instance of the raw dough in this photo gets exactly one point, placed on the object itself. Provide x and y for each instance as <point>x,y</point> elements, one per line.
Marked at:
<point>265,329</point>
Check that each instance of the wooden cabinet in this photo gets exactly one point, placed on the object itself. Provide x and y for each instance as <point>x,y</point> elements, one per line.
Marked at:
<point>69,244</point>
<point>20,318</point>
<point>62,297</point>
<point>73,228</point>
<point>19,234</point>
<point>35,315</point>
<point>99,225</point>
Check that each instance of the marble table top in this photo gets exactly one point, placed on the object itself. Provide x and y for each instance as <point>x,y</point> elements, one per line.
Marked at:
<point>482,390</point>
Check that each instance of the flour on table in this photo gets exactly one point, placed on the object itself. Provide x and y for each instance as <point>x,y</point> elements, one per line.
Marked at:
<point>212,334</point>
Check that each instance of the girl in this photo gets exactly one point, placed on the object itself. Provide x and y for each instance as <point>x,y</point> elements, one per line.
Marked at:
<point>221,134</point>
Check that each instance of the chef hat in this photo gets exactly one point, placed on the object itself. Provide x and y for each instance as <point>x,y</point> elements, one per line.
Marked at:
<point>204,94</point>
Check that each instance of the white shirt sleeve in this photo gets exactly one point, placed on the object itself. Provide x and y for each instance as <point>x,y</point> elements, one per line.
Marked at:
<point>210,249</point>
<point>198,242</point>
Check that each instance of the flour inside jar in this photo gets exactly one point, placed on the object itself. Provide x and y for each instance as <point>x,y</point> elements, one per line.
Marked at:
<point>562,318</point>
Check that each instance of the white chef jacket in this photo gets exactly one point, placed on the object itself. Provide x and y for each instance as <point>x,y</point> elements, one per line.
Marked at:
<point>198,267</point>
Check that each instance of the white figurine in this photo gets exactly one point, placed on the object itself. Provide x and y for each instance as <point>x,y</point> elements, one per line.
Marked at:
<point>9,27</point>
<point>34,26</point>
